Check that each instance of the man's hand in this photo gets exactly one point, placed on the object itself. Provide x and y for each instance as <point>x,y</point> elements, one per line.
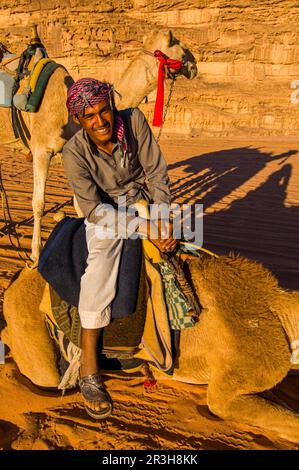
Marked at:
<point>163,229</point>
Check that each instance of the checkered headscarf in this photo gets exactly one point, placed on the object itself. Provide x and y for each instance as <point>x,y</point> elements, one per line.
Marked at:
<point>87,92</point>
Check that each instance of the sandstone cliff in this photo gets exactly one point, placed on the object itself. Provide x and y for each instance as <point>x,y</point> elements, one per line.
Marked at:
<point>247,54</point>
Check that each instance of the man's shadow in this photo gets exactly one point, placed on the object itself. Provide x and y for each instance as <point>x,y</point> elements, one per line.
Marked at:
<point>259,225</point>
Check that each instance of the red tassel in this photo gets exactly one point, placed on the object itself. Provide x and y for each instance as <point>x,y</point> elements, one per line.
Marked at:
<point>150,380</point>
<point>149,383</point>
<point>171,64</point>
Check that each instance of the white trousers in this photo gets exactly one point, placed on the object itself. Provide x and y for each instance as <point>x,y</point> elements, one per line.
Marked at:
<point>98,283</point>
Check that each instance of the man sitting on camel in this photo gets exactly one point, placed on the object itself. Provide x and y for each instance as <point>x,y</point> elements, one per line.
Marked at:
<point>114,154</point>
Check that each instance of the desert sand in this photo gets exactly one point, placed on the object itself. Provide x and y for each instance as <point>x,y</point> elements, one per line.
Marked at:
<point>250,193</point>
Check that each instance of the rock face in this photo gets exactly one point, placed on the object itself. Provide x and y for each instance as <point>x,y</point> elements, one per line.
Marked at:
<point>247,53</point>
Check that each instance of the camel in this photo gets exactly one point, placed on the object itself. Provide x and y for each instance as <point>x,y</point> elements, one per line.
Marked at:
<point>240,347</point>
<point>50,127</point>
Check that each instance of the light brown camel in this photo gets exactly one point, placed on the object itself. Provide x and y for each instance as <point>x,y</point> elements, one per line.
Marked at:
<point>240,347</point>
<point>49,128</point>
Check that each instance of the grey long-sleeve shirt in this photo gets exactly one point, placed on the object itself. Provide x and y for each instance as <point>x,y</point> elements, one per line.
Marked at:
<point>95,177</point>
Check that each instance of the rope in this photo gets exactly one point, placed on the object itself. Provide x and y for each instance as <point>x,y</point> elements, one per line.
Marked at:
<point>8,71</point>
<point>183,284</point>
<point>9,227</point>
<point>197,247</point>
<point>12,59</point>
<point>147,52</point>
<point>3,66</point>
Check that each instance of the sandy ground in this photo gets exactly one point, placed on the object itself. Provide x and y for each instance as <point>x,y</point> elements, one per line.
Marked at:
<point>250,194</point>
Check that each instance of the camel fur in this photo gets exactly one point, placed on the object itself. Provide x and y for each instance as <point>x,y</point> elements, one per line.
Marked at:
<point>239,347</point>
<point>50,127</point>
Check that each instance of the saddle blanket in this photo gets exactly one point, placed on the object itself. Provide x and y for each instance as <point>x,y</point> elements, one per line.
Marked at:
<point>39,83</point>
<point>31,89</point>
<point>63,261</point>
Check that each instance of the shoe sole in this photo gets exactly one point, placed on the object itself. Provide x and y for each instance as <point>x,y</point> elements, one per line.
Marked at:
<point>97,414</point>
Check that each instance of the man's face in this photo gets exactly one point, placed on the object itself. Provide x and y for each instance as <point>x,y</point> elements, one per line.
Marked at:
<point>98,121</point>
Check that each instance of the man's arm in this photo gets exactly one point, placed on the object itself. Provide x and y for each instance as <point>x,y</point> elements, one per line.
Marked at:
<point>155,169</point>
<point>83,186</point>
<point>151,159</point>
<point>89,199</point>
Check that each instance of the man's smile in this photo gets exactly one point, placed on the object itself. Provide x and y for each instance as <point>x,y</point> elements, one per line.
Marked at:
<point>103,130</point>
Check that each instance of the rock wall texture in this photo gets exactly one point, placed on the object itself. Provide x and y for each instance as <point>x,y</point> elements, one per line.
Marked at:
<point>247,53</point>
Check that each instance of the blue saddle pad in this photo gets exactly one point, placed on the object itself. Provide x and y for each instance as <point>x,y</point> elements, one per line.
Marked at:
<point>63,261</point>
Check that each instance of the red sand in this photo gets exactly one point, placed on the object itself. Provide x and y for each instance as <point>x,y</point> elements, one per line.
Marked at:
<point>251,199</point>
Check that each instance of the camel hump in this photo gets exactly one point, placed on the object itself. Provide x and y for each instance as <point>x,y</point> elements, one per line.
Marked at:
<point>241,334</point>
<point>249,284</point>
<point>239,295</point>
<point>26,332</point>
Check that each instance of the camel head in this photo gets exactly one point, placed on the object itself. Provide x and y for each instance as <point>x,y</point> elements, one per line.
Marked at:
<point>173,48</point>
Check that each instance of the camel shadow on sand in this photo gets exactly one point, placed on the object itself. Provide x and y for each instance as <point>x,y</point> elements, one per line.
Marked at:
<point>257,224</point>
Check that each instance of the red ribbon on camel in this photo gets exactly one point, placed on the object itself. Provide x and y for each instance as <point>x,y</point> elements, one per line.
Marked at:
<point>173,64</point>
